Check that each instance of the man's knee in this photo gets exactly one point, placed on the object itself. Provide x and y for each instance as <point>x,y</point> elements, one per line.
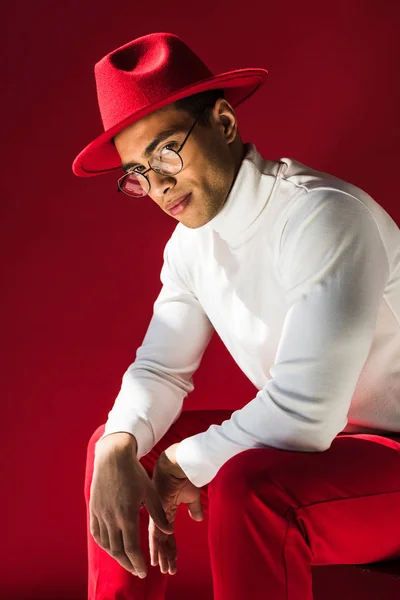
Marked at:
<point>96,435</point>
<point>254,472</point>
<point>241,473</point>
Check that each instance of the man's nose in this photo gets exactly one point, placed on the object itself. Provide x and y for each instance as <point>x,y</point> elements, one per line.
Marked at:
<point>161,185</point>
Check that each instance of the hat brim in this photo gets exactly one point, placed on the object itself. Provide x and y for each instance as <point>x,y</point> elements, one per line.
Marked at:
<point>101,156</point>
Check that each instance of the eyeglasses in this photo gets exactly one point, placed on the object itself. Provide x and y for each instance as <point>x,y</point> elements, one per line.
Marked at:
<point>166,161</point>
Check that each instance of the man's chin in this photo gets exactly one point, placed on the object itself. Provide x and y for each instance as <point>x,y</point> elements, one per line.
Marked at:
<point>192,225</point>
<point>193,221</point>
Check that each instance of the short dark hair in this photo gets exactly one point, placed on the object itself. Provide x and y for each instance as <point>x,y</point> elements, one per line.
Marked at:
<point>199,106</point>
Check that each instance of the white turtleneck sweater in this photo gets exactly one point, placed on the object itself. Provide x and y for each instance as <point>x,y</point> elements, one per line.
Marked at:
<point>299,274</point>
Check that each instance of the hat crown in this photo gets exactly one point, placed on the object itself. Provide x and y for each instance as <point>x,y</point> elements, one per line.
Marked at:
<point>143,72</point>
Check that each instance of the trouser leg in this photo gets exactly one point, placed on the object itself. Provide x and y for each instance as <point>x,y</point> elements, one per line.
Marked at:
<point>107,579</point>
<point>273,514</point>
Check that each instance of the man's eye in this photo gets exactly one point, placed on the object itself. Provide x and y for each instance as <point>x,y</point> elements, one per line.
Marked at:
<point>170,145</point>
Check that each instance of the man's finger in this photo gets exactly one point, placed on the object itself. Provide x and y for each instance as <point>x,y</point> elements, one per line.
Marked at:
<point>131,539</point>
<point>163,561</point>
<point>171,554</point>
<point>153,543</point>
<point>196,510</point>
<point>94,527</point>
<point>104,539</point>
<point>167,555</point>
<point>156,511</point>
<point>172,567</point>
<point>117,550</point>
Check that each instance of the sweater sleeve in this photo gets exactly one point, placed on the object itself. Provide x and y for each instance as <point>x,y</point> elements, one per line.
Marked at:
<point>156,383</point>
<point>333,268</point>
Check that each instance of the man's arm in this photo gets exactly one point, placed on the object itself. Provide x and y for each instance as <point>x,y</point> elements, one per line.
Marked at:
<point>333,268</point>
<point>156,383</point>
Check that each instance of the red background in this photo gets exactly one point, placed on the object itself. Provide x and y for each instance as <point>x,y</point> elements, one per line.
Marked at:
<point>80,264</point>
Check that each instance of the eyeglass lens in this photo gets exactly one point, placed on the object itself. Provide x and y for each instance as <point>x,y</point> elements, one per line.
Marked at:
<point>167,162</point>
<point>134,185</point>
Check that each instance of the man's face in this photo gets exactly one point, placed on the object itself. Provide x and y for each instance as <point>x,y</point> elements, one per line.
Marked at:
<point>211,158</point>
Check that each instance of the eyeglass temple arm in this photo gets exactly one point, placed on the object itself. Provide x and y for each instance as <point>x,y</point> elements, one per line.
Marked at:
<point>187,135</point>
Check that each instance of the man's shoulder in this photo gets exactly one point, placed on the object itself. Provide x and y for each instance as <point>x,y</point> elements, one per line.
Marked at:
<point>321,186</point>
<point>309,178</point>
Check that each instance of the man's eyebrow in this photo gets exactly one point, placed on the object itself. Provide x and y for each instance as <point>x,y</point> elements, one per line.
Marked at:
<point>163,135</point>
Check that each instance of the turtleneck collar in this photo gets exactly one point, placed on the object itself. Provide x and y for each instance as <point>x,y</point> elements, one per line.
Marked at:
<point>248,197</point>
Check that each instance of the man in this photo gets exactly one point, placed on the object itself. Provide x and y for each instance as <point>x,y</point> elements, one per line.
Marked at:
<point>299,273</point>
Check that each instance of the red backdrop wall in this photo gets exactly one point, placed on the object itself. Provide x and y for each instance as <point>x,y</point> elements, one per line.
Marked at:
<point>80,264</point>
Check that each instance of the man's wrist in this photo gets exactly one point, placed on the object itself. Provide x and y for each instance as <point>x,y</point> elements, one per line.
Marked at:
<point>168,457</point>
<point>119,440</point>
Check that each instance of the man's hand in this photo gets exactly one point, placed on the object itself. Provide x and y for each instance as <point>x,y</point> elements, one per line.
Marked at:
<point>173,487</point>
<point>120,486</point>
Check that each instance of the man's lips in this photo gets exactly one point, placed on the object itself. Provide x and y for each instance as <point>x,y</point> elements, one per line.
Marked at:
<point>176,202</point>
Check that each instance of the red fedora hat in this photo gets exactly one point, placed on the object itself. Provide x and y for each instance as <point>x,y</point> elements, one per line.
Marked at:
<point>145,75</point>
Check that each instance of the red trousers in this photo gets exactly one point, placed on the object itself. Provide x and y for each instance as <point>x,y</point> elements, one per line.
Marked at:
<point>272,514</point>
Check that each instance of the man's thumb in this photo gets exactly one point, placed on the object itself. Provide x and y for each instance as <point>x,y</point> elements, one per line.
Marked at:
<point>157,512</point>
<point>196,510</point>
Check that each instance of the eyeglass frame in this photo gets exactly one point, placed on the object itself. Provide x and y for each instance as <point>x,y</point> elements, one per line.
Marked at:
<point>122,179</point>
